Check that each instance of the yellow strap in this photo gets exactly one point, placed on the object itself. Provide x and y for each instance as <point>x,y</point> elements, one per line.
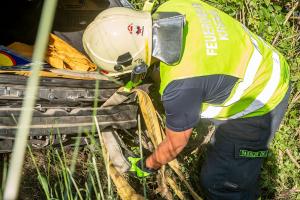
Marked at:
<point>148,6</point>
<point>150,118</point>
<point>155,133</point>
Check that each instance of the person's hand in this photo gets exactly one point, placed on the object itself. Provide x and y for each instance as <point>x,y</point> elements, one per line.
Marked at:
<point>138,167</point>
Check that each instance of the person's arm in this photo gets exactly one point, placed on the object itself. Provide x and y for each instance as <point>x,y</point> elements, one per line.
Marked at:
<point>182,101</point>
<point>169,148</point>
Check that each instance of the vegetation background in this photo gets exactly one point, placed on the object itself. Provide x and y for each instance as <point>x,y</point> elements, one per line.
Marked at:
<point>278,22</point>
<point>80,173</point>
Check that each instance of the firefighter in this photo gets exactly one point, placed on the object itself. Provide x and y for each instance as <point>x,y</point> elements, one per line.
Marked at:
<point>211,66</point>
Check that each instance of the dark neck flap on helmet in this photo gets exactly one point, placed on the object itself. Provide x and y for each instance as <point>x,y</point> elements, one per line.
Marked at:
<point>167,39</point>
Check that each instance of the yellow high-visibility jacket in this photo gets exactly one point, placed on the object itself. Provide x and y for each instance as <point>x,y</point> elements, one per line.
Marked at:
<point>215,43</point>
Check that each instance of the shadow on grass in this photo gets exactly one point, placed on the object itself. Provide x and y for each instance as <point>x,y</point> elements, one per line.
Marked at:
<point>268,177</point>
<point>194,153</point>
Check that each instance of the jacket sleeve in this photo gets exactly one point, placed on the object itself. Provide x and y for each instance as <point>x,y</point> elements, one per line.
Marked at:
<point>182,98</point>
<point>182,108</point>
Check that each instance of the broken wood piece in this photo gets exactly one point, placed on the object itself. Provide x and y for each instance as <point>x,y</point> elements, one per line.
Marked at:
<point>205,141</point>
<point>162,188</point>
<point>287,17</point>
<point>155,133</point>
<point>125,191</point>
<point>280,157</point>
<point>175,188</point>
<point>288,152</point>
<point>175,167</point>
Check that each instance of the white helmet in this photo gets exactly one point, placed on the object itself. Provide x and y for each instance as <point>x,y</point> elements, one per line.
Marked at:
<point>119,39</point>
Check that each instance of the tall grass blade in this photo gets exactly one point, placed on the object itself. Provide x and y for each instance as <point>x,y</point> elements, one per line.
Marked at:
<point>66,178</point>
<point>62,147</point>
<point>48,164</point>
<point>109,189</point>
<point>43,181</point>
<point>75,185</point>
<point>15,169</point>
<point>95,106</point>
<point>87,193</point>
<point>93,147</point>
<point>63,160</point>
<point>94,185</point>
<point>106,162</point>
<point>97,176</point>
<point>59,182</point>
<point>95,125</point>
<point>141,154</point>
<point>4,171</point>
<point>75,152</point>
<point>55,190</point>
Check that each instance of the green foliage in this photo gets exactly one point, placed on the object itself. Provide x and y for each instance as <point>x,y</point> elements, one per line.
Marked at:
<point>280,176</point>
<point>138,4</point>
<point>70,174</point>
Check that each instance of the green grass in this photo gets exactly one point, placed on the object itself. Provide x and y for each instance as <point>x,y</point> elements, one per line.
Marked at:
<point>80,172</point>
<point>280,176</point>
<point>59,172</point>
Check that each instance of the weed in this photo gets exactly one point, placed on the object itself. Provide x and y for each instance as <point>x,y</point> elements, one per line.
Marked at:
<point>81,173</point>
<point>278,24</point>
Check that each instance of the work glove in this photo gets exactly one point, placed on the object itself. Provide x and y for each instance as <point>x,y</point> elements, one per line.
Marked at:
<point>137,169</point>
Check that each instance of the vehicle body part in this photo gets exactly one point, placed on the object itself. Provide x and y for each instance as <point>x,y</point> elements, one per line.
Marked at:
<point>63,105</point>
<point>20,24</point>
<point>64,101</point>
<point>68,121</point>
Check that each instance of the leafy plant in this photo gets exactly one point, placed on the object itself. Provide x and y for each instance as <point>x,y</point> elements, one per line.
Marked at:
<point>274,22</point>
<point>80,174</point>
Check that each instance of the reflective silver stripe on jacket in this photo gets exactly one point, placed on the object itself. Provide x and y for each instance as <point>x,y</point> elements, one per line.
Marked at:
<point>252,68</point>
<point>267,92</point>
<point>261,99</point>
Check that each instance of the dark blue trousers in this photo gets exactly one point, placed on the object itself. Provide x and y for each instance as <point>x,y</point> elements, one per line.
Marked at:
<point>226,173</point>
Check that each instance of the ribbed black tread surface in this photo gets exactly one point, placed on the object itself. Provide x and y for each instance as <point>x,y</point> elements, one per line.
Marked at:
<point>62,105</point>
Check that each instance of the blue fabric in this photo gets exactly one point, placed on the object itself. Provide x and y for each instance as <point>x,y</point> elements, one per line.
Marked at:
<point>226,175</point>
<point>182,98</point>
